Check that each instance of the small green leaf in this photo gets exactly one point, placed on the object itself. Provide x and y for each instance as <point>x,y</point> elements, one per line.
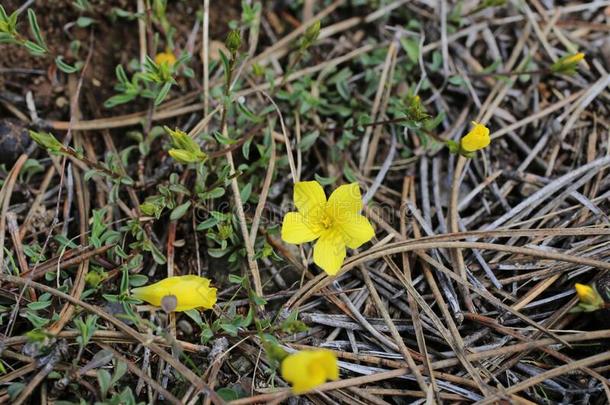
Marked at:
<point>36,30</point>
<point>229,328</point>
<point>195,316</point>
<point>228,394</point>
<point>207,224</point>
<point>411,47</point>
<point>179,211</point>
<point>163,93</point>
<point>216,193</point>
<point>103,379</point>
<point>308,140</point>
<point>84,21</point>
<point>34,49</point>
<point>119,99</point>
<point>64,67</point>
<point>245,192</point>
<point>325,181</point>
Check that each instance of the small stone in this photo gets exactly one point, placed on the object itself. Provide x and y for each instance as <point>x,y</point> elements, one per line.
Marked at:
<point>14,140</point>
<point>185,327</point>
<point>61,102</point>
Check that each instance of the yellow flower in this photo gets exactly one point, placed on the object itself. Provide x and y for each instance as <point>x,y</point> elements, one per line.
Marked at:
<point>336,223</point>
<point>478,138</point>
<point>165,57</point>
<point>587,295</point>
<point>190,292</point>
<point>306,370</point>
<point>577,57</point>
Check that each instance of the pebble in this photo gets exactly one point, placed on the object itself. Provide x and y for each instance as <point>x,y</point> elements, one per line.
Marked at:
<point>14,140</point>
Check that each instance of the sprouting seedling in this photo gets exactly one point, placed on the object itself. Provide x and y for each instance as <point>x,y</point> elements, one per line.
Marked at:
<point>9,33</point>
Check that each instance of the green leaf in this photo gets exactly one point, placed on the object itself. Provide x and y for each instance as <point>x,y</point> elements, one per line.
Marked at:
<point>308,140</point>
<point>3,15</point>
<point>163,93</point>
<point>195,316</point>
<point>36,30</point>
<point>38,305</point>
<point>120,74</point>
<point>207,224</point>
<point>6,38</point>
<point>325,181</point>
<point>103,379</point>
<point>246,192</point>
<point>34,49</point>
<point>84,21</point>
<point>64,67</point>
<point>179,211</point>
<point>456,80</point>
<point>216,193</point>
<point>228,394</point>
<point>217,253</point>
<point>411,47</point>
<point>137,280</point>
<point>229,328</point>
<point>157,255</point>
<point>14,389</point>
<point>250,116</point>
<point>119,99</point>
<point>119,371</point>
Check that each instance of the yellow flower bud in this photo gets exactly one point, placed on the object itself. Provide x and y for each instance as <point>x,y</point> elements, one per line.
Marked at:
<point>183,156</point>
<point>587,294</point>
<point>165,57</point>
<point>478,138</point>
<point>577,57</point>
<point>306,370</point>
<point>189,292</point>
<point>568,63</point>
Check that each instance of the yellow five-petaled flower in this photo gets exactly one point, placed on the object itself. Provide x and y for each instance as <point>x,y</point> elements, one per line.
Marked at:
<point>306,370</point>
<point>336,223</point>
<point>478,138</point>
<point>184,292</point>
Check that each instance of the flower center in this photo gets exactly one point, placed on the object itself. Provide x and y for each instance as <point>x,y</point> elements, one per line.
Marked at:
<point>326,221</point>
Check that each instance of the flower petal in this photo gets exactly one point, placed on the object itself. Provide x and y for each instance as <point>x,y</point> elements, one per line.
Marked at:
<point>345,199</point>
<point>297,228</point>
<point>329,251</point>
<point>328,361</point>
<point>194,292</point>
<point>356,229</point>
<point>305,370</point>
<point>309,196</point>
